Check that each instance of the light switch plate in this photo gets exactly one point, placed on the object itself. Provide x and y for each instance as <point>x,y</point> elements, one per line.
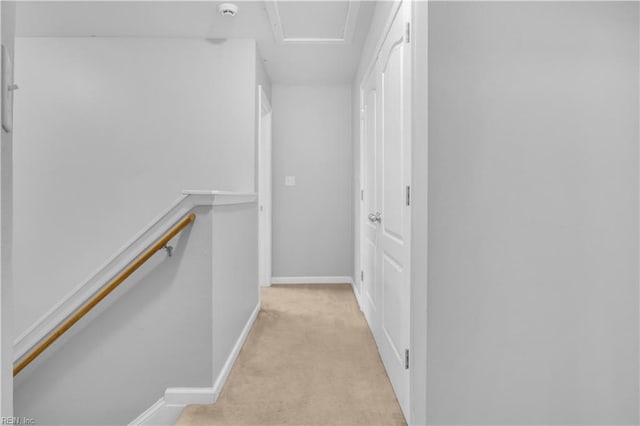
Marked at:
<point>289,181</point>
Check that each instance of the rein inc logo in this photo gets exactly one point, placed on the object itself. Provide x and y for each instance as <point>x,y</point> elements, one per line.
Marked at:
<point>17,421</point>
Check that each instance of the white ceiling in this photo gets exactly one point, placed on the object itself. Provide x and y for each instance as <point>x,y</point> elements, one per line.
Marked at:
<point>322,19</point>
<point>299,63</point>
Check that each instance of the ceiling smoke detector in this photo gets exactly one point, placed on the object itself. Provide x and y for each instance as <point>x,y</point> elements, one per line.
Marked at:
<point>228,9</point>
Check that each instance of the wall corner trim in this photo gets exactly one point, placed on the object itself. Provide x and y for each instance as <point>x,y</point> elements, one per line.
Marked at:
<point>167,409</point>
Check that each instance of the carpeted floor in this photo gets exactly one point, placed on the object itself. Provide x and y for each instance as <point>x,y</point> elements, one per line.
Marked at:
<point>309,359</point>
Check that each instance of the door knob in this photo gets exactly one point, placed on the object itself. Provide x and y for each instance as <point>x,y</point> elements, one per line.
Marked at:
<point>377,217</point>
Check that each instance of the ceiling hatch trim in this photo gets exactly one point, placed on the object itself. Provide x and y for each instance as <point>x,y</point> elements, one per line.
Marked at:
<point>279,34</point>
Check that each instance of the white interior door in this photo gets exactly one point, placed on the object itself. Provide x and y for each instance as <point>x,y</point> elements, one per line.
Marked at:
<point>386,230</point>
<point>264,187</point>
<point>368,200</point>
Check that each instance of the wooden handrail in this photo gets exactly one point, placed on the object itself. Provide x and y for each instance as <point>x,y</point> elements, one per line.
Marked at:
<point>104,292</point>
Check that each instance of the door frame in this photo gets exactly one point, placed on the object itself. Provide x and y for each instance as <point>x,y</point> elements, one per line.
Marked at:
<point>419,210</point>
<point>265,119</point>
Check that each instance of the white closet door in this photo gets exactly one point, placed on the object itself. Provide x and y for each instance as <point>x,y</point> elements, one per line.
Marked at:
<point>394,176</point>
<point>369,203</point>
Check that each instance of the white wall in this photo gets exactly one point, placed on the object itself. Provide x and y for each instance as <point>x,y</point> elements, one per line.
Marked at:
<point>108,136</point>
<point>235,276</point>
<point>312,221</point>
<point>533,213</point>
<point>7,29</point>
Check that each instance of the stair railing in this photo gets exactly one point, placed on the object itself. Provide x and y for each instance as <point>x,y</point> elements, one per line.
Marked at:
<point>111,285</point>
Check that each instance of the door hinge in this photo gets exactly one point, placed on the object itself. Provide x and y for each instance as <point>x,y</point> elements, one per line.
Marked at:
<point>408,195</point>
<point>406,359</point>
<point>361,275</point>
<point>362,195</point>
<point>408,32</point>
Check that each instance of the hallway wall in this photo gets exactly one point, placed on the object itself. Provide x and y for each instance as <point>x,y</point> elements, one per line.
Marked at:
<point>7,30</point>
<point>533,213</point>
<point>312,221</point>
<point>109,136</point>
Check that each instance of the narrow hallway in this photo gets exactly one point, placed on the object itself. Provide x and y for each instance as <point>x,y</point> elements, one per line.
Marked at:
<point>309,359</point>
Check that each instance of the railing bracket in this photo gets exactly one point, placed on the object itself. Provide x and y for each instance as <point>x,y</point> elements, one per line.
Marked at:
<point>169,249</point>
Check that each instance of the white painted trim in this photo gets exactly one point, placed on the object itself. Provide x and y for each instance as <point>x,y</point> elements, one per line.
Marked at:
<point>90,286</point>
<point>167,409</point>
<point>186,396</point>
<point>420,213</point>
<point>351,21</point>
<point>265,105</point>
<point>216,192</point>
<point>219,382</point>
<point>313,280</point>
<point>149,413</point>
<point>356,293</point>
<point>278,30</point>
<point>220,198</point>
<point>265,189</point>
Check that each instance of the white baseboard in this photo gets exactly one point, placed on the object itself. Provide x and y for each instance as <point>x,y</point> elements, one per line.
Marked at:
<point>312,280</point>
<point>356,293</point>
<point>166,410</point>
<point>222,377</point>
<point>186,396</point>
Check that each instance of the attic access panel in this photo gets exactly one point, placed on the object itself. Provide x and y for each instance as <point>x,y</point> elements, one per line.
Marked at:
<point>313,22</point>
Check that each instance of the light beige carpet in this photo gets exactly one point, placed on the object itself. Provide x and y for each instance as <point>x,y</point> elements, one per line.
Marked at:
<point>309,359</point>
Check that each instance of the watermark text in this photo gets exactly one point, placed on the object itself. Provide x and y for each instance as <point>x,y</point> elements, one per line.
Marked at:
<point>17,421</point>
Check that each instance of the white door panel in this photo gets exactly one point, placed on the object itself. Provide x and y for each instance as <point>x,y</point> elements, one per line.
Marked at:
<point>392,112</point>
